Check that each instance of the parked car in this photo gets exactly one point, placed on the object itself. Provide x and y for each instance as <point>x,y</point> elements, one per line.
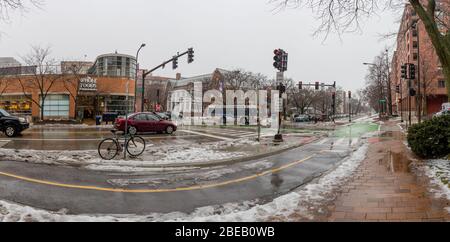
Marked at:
<point>302,119</point>
<point>12,126</point>
<point>442,113</point>
<point>145,122</point>
<point>164,116</point>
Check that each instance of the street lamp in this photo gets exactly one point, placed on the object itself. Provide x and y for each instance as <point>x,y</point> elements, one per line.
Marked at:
<point>136,77</point>
<point>128,104</point>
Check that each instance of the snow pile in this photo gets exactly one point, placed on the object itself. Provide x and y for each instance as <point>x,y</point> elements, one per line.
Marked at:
<point>152,156</point>
<point>283,208</point>
<point>439,173</point>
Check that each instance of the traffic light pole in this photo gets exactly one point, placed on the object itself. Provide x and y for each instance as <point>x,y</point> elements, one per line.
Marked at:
<point>154,69</point>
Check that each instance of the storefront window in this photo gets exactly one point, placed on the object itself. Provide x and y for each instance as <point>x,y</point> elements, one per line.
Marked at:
<point>56,106</point>
<point>16,105</point>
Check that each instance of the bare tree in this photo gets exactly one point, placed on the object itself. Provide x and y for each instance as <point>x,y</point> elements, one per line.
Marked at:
<point>240,79</point>
<point>44,77</point>
<point>303,99</point>
<point>7,6</point>
<point>377,84</point>
<point>346,16</point>
<point>72,74</point>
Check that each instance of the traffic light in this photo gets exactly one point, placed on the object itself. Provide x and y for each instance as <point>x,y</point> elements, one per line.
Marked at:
<point>190,55</point>
<point>412,71</point>
<point>397,88</point>
<point>278,58</point>
<point>317,85</point>
<point>412,92</point>
<point>175,62</point>
<point>349,95</point>
<point>282,89</point>
<point>300,85</point>
<point>284,61</point>
<point>404,72</point>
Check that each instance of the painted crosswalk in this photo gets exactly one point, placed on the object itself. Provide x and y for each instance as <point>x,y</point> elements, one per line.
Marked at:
<point>338,143</point>
<point>220,133</point>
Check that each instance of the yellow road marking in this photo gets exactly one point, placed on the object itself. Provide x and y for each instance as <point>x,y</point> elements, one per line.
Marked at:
<point>94,188</point>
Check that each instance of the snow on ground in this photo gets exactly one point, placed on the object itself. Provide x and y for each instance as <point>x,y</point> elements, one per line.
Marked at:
<point>152,156</point>
<point>297,202</point>
<point>439,173</point>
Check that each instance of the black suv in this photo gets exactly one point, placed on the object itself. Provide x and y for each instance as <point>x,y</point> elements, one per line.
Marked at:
<point>10,125</point>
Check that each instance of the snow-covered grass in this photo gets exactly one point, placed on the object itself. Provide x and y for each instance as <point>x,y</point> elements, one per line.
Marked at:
<point>298,202</point>
<point>439,173</point>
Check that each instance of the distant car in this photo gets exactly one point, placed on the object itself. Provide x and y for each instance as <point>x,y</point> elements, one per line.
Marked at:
<point>145,123</point>
<point>12,126</point>
<point>302,119</point>
<point>442,113</point>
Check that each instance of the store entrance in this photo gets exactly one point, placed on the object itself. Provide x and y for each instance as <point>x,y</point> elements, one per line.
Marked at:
<point>90,106</point>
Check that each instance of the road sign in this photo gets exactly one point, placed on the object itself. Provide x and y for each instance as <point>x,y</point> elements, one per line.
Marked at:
<point>280,77</point>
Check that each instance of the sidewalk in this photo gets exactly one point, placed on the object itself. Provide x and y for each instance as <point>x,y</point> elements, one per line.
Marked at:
<point>385,189</point>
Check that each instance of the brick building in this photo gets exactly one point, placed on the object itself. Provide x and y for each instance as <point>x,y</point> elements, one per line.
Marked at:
<point>72,90</point>
<point>415,47</point>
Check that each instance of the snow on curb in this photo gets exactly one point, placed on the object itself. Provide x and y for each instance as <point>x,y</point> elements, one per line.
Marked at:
<point>297,202</point>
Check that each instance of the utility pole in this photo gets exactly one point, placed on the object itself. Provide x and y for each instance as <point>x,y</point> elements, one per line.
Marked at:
<point>350,106</point>
<point>389,83</point>
<point>281,64</point>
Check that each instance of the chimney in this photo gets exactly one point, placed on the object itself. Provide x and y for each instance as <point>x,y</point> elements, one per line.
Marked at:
<point>178,76</point>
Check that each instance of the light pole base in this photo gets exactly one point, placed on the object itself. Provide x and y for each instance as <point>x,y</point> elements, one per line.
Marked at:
<point>278,138</point>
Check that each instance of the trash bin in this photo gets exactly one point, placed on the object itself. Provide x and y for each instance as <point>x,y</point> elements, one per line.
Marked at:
<point>98,120</point>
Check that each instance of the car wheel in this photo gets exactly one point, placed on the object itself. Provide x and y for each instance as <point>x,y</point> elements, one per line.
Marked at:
<point>169,130</point>
<point>132,130</point>
<point>10,131</point>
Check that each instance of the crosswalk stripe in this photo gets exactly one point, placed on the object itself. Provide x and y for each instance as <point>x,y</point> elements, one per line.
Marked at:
<point>339,142</point>
<point>323,141</point>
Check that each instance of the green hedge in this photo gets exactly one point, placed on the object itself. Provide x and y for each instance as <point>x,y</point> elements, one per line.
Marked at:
<point>431,139</point>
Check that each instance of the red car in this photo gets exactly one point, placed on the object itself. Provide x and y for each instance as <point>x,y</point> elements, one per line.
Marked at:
<point>145,122</point>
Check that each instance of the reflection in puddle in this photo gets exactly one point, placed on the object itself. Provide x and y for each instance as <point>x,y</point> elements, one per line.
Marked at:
<point>399,163</point>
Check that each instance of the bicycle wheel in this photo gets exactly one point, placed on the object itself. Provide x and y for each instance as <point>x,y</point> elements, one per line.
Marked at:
<point>136,146</point>
<point>108,149</point>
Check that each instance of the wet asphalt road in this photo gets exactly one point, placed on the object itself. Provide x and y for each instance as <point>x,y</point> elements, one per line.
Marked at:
<point>90,192</point>
<point>64,138</point>
<point>179,198</point>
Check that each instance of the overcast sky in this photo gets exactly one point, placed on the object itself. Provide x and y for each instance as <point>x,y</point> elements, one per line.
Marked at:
<point>224,33</point>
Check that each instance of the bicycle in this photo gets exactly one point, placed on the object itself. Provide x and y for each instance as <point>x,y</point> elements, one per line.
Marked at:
<point>109,148</point>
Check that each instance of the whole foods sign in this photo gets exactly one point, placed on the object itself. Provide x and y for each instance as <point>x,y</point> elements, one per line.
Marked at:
<point>88,84</point>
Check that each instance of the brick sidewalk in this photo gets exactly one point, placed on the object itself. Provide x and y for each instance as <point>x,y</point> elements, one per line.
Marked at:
<point>384,188</point>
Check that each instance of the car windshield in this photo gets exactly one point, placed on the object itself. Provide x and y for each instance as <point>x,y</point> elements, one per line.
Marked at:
<point>4,113</point>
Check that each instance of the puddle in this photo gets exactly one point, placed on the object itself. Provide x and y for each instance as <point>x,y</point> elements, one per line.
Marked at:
<point>398,162</point>
<point>392,135</point>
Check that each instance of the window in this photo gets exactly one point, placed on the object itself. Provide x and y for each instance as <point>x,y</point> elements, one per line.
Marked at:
<point>415,56</point>
<point>16,105</point>
<point>152,117</point>
<point>414,33</point>
<point>56,106</point>
<point>441,84</point>
<point>415,44</point>
<point>140,117</point>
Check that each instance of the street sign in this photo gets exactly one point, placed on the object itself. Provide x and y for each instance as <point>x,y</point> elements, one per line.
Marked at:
<point>280,77</point>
